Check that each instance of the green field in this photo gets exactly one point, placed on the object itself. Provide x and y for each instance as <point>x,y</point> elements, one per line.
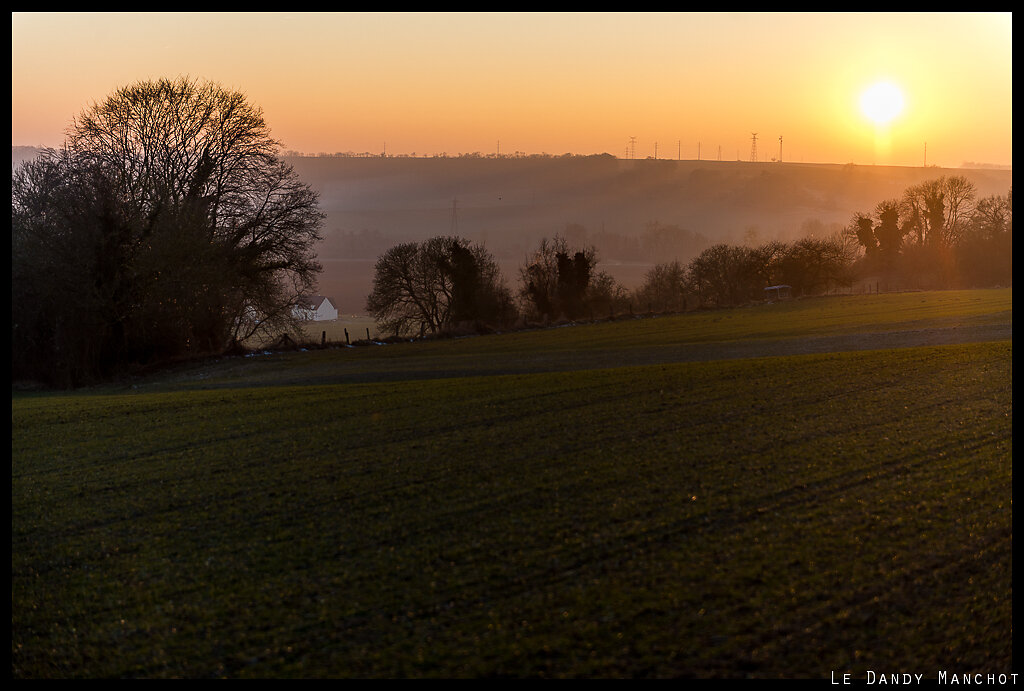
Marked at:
<point>785,490</point>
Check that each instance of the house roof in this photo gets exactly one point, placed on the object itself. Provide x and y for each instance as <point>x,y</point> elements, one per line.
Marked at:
<point>313,301</point>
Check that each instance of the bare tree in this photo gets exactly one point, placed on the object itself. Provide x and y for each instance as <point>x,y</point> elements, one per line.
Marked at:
<point>888,230</point>
<point>918,209</point>
<point>556,279</point>
<point>182,141</point>
<point>959,193</point>
<point>664,287</point>
<point>993,215</point>
<point>193,229</point>
<point>813,265</point>
<point>725,275</point>
<point>437,284</point>
<point>937,211</point>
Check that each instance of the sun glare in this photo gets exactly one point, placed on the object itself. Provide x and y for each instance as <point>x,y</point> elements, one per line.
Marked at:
<point>881,102</point>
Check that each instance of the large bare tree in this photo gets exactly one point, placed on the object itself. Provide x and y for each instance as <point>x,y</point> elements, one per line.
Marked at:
<point>190,231</point>
<point>427,287</point>
<point>937,211</point>
<point>959,193</point>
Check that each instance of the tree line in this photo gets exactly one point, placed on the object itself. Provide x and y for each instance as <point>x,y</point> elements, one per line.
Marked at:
<point>169,226</point>
<point>448,284</point>
<point>937,235</point>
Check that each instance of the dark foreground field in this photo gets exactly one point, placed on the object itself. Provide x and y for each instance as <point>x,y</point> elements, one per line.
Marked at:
<point>827,488</point>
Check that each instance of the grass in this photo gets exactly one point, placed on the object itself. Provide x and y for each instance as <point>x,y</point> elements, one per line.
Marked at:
<point>840,313</point>
<point>349,514</point>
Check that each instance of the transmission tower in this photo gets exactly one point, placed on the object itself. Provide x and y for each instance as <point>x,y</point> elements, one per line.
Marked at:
<point>632,147</point>
<point>753,147</point>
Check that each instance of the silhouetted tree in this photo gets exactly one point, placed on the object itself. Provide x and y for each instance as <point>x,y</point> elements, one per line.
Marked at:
<point>881,236</point>
<point>438,284</point>
<point>888,231</point>
<point>814,265</point>
<point>985,251</point>
<point>574,275</point>
<point>945,239</point>
<point>862,228</point>
<point>556,279</point>
<point>922,209</point>
<point>934,215</point>
<point>936,212</point>
<point>605,295</point>
<point>993,215</point>
<point>762,266</point>
<point>725,275</point>
<point>664,287</point>
<point>731,275</point>
<point>959,194</point>
<point>179,229</point>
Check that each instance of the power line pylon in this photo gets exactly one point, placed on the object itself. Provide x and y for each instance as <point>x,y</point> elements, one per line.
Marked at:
<point>753,147</point>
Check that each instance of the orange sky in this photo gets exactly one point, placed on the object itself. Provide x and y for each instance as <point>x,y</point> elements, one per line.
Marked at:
<point>554,83</point>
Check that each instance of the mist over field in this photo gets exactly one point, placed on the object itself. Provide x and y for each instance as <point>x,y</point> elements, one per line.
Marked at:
<point>636,213</point>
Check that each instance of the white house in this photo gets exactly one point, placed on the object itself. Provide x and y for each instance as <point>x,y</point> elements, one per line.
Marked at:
<point>315,308</point>
<point>779,292</point>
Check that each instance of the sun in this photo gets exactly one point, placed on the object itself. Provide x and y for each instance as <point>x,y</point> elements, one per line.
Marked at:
<point>881,102</point>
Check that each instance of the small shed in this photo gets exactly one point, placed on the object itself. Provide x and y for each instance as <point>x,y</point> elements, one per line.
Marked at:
<point>315,308</point>
<point>779,292</point>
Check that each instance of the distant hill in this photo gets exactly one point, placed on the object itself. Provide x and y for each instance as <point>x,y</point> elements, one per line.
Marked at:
<point>617,205</point>
<point>23,153</point>
<point>509,199</point>
<point>509,204</point>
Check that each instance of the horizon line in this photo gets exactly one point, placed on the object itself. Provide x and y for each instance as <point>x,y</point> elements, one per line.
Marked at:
<point>521,154</point>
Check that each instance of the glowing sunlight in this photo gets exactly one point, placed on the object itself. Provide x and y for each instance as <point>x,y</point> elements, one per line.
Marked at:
<point>881,102</point>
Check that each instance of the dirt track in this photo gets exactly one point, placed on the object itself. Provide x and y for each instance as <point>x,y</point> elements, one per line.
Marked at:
<point>412,366</point>
<point>416,364</point>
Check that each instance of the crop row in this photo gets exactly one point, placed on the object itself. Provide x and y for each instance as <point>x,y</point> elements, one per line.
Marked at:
<point>771,517</point>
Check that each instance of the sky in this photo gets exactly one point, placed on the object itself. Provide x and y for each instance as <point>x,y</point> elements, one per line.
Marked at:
<point>676,85</point>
